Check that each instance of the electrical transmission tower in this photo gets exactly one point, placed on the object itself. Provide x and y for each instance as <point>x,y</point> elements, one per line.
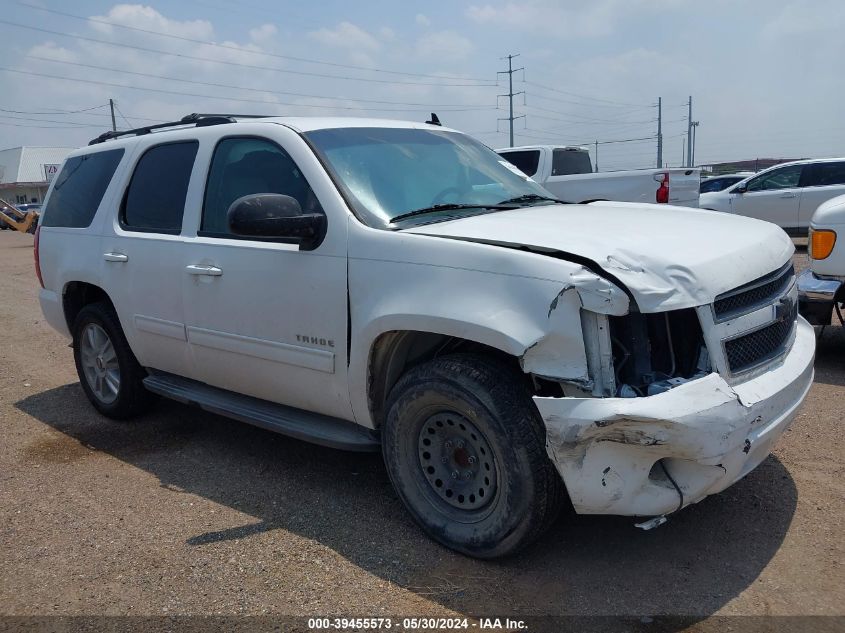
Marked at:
<point>511,94</point>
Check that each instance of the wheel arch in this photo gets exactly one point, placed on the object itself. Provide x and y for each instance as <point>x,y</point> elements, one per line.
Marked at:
<point>78,294</point>
<point>393,352</point>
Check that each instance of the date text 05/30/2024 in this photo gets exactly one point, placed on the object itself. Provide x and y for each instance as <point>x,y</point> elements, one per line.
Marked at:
<point>416,624</point>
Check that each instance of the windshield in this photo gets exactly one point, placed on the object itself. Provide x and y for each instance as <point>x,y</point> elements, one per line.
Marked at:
<point>388,172</point>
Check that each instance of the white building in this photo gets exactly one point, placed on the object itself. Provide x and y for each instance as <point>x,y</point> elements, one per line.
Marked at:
<point>26,172</point>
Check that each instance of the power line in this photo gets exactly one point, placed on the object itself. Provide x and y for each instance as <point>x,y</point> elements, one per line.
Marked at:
<point>241,65</point>
<point>244,50</point>
<point>124,117</point>
<point>84,112</point>
<point>69,123</point>
<point>57,111</point>
<point>572,94</point>
<point>582,118</point>
<point>65,125</point>
<point>41,127</point>
<point>259,90</point>
<point>582,103</point>
<point>218,97</point>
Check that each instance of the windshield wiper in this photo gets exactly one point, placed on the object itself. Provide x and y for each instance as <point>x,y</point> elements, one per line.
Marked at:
<point>533,197</point>
<point>449,206</point>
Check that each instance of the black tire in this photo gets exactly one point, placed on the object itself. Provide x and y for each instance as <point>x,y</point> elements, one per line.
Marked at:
<point>131,398</point>
<point>492,405</point>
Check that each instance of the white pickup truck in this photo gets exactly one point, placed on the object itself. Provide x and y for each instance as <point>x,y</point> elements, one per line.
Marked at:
<point>384,285</point>
<point>568,173</point>
<point>821,288</point>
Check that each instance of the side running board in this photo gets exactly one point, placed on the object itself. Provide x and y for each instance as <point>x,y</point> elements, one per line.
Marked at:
<point>303,425</point>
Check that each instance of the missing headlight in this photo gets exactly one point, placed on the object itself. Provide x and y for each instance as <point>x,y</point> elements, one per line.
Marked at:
<point>653,353</point>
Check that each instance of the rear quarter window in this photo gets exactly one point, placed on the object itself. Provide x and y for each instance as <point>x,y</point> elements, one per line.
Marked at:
<point>79,189</point>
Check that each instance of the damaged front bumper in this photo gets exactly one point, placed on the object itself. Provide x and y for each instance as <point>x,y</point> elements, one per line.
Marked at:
<point>816,297</point>
<point>707,433</point>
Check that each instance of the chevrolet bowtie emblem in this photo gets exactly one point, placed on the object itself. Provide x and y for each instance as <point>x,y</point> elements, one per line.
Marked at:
<point>783,309</point>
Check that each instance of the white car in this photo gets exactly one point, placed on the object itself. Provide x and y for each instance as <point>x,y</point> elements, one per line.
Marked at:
<point>787,194</point>
<point>821,288</point>
<point>567,172</point>
<point>384,285</point>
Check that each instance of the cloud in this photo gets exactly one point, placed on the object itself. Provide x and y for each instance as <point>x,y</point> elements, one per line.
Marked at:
<point>422,20</point>
<point>346,35</point>
<point>144,17</point>
<point>564,18</point>
<point>443,46</point>
<point>263,33</point>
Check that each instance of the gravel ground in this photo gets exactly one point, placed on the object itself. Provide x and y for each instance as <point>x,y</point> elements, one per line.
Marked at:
<point>184,512</point>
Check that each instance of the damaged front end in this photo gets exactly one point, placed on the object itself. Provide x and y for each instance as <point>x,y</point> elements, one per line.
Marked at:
<point>678,405</point>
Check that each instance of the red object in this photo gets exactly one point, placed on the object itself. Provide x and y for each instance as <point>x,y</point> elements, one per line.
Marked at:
<point>662,194</point>
<point>37,260</point>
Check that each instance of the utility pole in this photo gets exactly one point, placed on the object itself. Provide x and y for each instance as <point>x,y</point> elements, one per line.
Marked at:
<point>689,132</point>
<point>113,124</point>
<point>510,95</point>
<point>597,155</point>
<point>659,132</point>
<point>683,150</point>
<point>694,127</point>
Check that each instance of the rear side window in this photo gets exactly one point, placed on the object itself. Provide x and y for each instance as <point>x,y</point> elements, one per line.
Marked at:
<point>566,161</point>
<point>79,189</point>
<point>527,161</point>
<point>823,174</point>
<point>155,199</point>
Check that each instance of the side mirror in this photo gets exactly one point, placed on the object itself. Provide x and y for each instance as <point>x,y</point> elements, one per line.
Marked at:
<point>740,189</point>
<point>273,215</point>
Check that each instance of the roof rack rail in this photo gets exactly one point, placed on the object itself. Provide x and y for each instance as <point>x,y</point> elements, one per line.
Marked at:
<point>196,119</point>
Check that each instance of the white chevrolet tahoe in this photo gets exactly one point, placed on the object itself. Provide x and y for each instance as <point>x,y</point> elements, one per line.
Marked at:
<point>568,174</point>
<point>821,288</point>
<point>380,285</point>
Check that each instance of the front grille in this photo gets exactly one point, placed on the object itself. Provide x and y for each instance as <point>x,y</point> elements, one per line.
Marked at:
<point>750,350</point>
<point>754,294</point>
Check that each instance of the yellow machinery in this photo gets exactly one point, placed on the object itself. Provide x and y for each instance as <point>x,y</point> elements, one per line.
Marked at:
<point>25,222</point>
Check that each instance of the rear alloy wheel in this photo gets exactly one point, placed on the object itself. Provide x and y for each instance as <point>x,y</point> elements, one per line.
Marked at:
<point>464,447</point>
<point>99,363</point>
<point>108,370</point>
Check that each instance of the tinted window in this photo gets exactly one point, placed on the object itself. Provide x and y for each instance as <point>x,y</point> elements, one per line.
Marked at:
<point>719,184</point>
<point>155,200</point>
<point>79,189</point>
<point>244,166</point>
<point>822,174</point>
<point>783,178</point>
<point>716,184</point>
<point>567,161</point>
<point>527,161</point>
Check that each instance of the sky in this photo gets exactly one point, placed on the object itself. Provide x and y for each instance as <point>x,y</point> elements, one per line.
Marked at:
<point>766,77</point>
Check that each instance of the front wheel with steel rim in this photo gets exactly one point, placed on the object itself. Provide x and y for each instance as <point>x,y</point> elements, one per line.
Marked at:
<point>108,370</point>
<point>464,447</point>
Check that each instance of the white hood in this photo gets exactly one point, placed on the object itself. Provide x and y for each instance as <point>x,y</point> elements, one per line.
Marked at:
<point>668,257</point>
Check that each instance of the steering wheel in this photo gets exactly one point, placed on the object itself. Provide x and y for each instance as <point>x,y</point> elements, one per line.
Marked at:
<point>439,198</point>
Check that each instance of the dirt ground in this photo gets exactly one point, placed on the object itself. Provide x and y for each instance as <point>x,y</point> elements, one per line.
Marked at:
<point>184,512</point>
